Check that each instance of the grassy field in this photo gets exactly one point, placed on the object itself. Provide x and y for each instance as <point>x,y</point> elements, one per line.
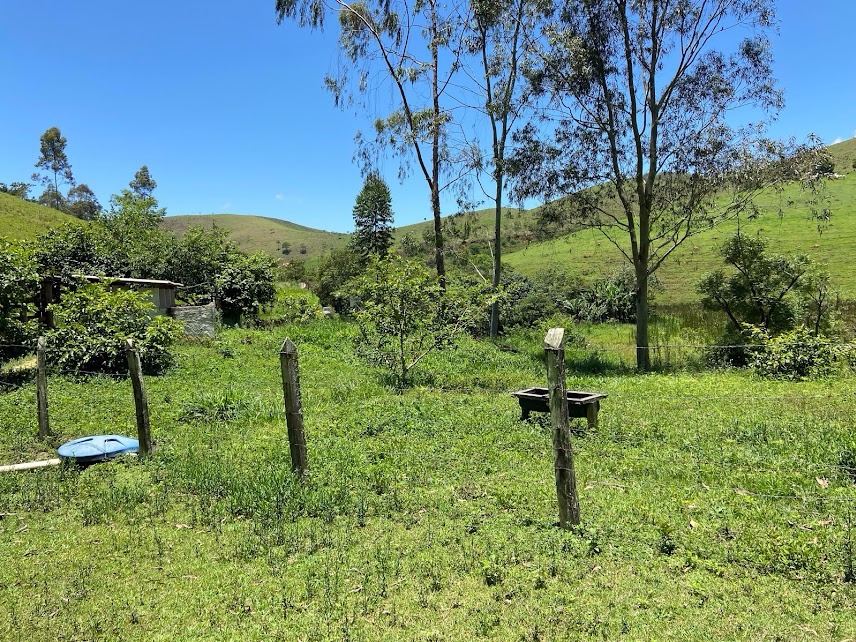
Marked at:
<point>20,219</point>
<point>714,505</point>
<point>590,255</point>
<point>258,233</point>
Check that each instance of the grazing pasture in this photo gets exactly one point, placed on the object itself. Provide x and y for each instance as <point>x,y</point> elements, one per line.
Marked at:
<point>715,505</point>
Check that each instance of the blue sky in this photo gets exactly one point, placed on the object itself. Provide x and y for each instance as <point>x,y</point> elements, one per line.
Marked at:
<point>229,112</point>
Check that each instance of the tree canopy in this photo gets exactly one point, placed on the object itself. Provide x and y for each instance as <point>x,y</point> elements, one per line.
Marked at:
<point>373,217</point>
<point>53,161</point>
<point>637,131</point>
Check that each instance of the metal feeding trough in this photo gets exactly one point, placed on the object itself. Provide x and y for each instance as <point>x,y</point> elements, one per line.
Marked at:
<point>88,450</point>
<point>580,404</point>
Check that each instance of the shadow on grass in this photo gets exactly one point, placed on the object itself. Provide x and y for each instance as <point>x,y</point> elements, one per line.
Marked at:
<point>14,379</point>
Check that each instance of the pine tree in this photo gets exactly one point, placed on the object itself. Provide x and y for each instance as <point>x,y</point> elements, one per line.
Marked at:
<point>373,217</point>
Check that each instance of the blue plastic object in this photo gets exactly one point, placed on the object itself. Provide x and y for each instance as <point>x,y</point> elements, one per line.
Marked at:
<point>88,450</point>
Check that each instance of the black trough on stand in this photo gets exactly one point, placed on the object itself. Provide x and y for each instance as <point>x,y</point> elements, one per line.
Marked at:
<point>580,404</point>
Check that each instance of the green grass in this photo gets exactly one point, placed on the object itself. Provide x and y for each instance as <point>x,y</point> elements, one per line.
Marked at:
<point>20,219</point>
<point>714,504</point>
<point>590,255</point>
<point>258,233</point>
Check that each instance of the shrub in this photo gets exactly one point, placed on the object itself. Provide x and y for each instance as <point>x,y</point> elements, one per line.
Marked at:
<point>797,354</point>
<point>245,284</point>
<point>18,285</point>
<point>610,299</point>
<point>290,305</point>
<point>404,315</point>
<point>339,267</point>
<point>93,323</point>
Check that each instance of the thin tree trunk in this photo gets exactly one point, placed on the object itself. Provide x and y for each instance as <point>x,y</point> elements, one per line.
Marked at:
<point>435,155</point>
<point>643,356</point>
<point>497,259</point>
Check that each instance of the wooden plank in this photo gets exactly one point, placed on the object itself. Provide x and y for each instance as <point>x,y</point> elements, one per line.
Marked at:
<point>141,403</point>
<point>293,406</point>
<point>566,483</point>
<point>42,389</point>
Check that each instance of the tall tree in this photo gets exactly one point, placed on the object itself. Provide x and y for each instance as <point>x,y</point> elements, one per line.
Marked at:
<point>416,49</point>
<point>640,98</point>
<point>82,203</point>
<point>499,33</point>
<point>54,163</point>
<point>143,184</point>
<point>373,217</point>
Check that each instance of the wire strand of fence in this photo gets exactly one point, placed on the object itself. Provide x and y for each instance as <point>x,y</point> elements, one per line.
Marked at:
<point>636,483</point>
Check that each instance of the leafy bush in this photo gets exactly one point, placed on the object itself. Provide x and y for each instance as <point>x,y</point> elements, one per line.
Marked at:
<point>245,284</point>
<point>404,315</point>
<point>610,299</point>
<point>93,323</point>
<point>335,270</point>
<point>797,354</point>
<point>548,294</point>
<point>290,305</point>
<point>763,288</point>
<point>18,285</point>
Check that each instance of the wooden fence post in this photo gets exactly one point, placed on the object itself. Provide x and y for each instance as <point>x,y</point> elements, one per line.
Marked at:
<point>42,389</point>
<point>566,482</point>
<point>141,403</point>
<point>293,408</point>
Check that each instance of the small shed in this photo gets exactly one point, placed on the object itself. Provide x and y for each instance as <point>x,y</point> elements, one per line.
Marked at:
<point>160,293</point>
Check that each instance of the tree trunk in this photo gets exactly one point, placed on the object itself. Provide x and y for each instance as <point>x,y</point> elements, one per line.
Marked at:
<point>643,354</point>
<point>435,155</point>
<point>497,259</point>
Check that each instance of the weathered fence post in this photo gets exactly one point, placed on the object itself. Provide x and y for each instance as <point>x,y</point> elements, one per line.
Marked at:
<point>42,388</point>
<point>141,403</point>
<point>293,408</point>
<point>566,482</point>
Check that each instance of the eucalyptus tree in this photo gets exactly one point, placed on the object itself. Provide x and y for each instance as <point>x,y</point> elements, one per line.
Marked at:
<point>641,136</point>
<point>499,33</point>
<point>53,161</point>
<point>413,49</point>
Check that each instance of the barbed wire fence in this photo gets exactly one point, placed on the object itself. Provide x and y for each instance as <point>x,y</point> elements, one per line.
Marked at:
<point>809,494</point>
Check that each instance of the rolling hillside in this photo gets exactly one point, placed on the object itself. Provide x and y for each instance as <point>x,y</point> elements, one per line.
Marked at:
<point>588,254</point>
<point>21,219</point>
<point>258,233</point>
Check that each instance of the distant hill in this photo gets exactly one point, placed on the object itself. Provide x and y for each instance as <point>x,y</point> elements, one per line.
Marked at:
<point>20,219</point>
<point>588,254</point>
<point>259,233</point>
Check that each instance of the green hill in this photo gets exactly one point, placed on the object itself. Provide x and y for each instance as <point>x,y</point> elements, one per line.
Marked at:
<point>22,219</point>
<point>258,233</point>
<point>588,254</point>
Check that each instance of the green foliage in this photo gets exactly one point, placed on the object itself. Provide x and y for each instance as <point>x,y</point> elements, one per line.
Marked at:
<point>143,184</point>
<point>404,314</point>
<point>373,217</point>
<point>19,284</point>
<point>291,305</point>
<point>53,161</point>
<point>762,287</point>
<point>199,255</point>
<point>93,323</point>
<point>610,299</point>
<point>244,284</point>
<point>18,189</point>
<point>529,300</point>
<point>334,271</point>
<point>294,271</point>
<point>82,203</point>
<point>796,354</point>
